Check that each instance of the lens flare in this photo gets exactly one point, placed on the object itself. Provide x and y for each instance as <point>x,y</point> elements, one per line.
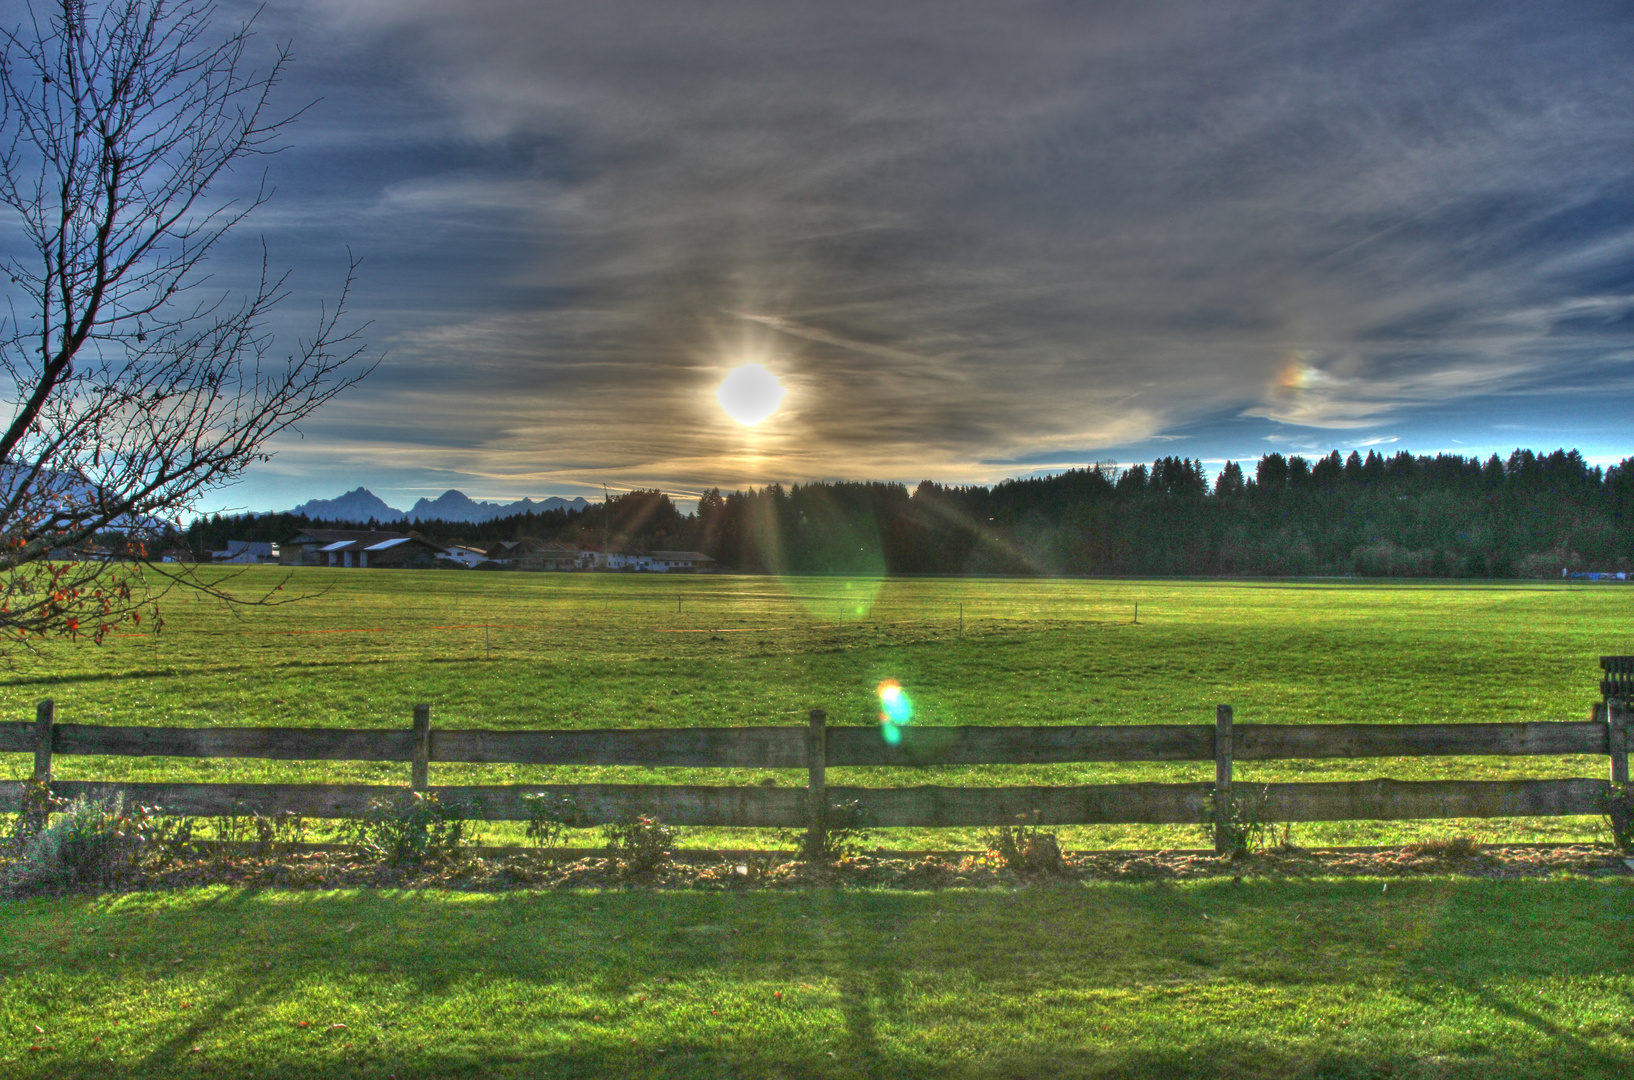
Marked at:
<point>895,710</point>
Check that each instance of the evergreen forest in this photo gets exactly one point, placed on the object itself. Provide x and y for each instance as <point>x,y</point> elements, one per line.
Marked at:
<point>1530,515</point>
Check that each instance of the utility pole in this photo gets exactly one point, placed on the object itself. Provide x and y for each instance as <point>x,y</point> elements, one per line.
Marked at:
<point>606,524</point>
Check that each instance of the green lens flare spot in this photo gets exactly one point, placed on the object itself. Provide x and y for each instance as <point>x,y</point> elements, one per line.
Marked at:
<point>895,710</point>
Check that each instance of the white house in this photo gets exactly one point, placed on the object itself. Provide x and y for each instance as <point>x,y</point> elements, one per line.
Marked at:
<point>605,560</point>
<point>465,556</point>
<point>659,562</point>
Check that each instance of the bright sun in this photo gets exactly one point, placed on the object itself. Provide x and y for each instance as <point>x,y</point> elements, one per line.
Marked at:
<point>750,394</point>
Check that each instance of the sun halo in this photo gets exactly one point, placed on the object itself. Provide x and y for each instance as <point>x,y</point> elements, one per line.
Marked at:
<point>750,394</point>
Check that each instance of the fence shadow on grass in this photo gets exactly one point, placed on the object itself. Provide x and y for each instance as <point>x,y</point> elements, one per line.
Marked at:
<point>1216,1058</point>
<point>1212,979</point>
<point>217,670</point>
<point>1083,936</point>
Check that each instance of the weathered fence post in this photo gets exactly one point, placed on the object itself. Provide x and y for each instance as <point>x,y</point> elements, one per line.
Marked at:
<point>1616,687</point>
<point>45,721</point>
<point>420,776</point>
<point>816,783</point>
<point>36,808</point>
<point>1222,777</point>
<point>1617,740</point>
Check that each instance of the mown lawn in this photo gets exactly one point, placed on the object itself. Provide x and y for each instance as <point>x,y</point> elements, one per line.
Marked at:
<point>1258,978</point>
<point>564,650</point>
<point>1427,978</point>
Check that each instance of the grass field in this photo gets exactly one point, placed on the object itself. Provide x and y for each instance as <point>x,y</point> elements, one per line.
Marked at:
<point>1359,978</point>
<point>1330,979</point>
<point>565,650</point>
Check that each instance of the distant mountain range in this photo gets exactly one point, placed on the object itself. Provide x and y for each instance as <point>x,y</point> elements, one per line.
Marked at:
<point>363,504</point>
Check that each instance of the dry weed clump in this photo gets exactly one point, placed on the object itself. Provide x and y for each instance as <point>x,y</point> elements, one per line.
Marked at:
<point>1026,849</point>
<point>641,845</point>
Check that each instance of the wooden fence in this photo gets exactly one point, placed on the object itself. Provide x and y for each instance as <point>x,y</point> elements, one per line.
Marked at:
<point>818,746</point>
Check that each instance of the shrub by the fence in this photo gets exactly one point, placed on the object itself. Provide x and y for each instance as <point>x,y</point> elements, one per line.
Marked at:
<point>642,844</point>
<point>414,828</point>
<point>1619,813</point>
<point>843,833</point>
<point>96,842</point>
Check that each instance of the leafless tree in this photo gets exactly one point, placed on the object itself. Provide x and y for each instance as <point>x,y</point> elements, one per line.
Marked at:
<point>135,386</point>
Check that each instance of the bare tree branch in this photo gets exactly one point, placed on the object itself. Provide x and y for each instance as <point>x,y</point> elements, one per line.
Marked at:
<point>132,393</point>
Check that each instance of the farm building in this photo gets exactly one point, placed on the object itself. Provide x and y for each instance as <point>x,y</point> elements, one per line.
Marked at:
<point>672,561</point>
<point>357,548</point>
<point>246,552</point>
<point>534,555</point>
<point>659,562</point>
<point>501,553</point>
<point>85,551</point>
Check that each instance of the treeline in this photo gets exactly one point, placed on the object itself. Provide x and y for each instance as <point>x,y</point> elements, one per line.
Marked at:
<point>1529,515</point>
<point>644,518</point>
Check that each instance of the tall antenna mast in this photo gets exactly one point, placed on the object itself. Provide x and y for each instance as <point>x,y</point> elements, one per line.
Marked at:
<point>606,523</point>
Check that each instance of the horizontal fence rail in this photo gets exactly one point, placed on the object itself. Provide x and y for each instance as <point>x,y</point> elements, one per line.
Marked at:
<point>785,747</point>
<point>817,747</point>
<point>930,806</point>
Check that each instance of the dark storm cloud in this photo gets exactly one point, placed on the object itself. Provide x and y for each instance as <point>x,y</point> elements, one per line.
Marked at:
<point>965,234</point>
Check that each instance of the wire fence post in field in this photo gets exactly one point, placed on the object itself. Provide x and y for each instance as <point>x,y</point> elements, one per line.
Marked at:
<point>816,781</point>
<point>420,773</point>
<point>487,649</point>
<point>961,620</point>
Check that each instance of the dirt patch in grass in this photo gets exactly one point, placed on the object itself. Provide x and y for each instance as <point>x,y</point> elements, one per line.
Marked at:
<point>339,869</point>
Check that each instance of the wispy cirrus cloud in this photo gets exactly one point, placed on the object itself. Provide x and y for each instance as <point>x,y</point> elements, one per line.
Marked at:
<point>965,236</point>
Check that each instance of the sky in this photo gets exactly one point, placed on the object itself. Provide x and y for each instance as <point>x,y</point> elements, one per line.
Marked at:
<point>972,240</point>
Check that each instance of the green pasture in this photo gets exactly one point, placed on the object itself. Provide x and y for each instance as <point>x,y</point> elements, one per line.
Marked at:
<point>573,650</point>
<point>1263,979</point>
